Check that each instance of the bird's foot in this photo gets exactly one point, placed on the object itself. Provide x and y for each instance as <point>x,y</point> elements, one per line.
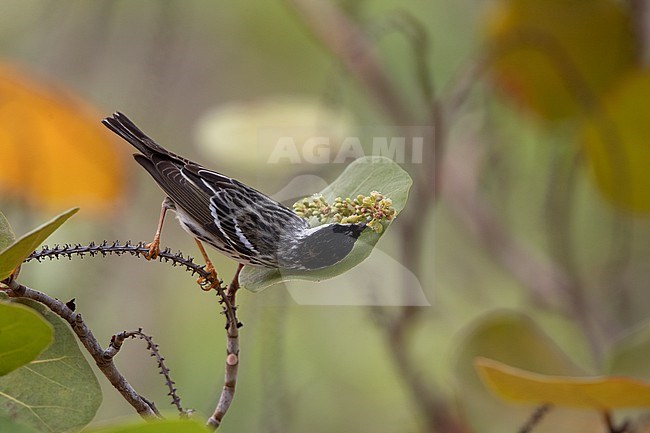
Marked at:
<point>154,249</point>
<point>211,281</point>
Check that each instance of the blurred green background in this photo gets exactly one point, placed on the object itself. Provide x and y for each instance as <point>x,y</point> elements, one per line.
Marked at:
<point>521,228</point>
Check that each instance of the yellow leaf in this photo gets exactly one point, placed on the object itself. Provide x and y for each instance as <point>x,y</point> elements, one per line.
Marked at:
<point>516,339</point>
<point>618,146</point>
<point>55,152</point>
<point>590,41</point>
<point>599,393</point>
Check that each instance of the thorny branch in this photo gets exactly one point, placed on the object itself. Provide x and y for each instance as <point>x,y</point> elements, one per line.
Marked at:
<point>232,357</point>
<point>105,364</point>
<point>104,358</point>
<point>106,248</point>
<point>116,344</point>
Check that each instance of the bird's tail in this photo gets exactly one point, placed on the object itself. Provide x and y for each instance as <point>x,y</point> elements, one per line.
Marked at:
<point>122,126</point>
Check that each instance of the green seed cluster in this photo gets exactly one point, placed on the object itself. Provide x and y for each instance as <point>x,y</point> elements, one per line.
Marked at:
<point>374,209</point>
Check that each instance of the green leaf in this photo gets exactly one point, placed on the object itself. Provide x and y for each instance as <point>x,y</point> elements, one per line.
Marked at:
<point>13,255</point>
<point>630,355</point>
<point>372,173</point>
<point>23,335</point>
<point>158,426</point>
<point>7,236</point>
<point>9,425</point>
<point>57,392</point>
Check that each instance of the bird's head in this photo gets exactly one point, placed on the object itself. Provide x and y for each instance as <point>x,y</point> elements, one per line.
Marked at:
<point>350,230</point>
<point>321,246</point>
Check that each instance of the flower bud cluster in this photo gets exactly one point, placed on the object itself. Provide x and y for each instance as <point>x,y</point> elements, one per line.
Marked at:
<point>313,207</point>
<point>373,209</point>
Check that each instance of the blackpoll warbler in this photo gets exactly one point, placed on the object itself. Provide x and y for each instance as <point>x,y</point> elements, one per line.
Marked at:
<point>234,218</point>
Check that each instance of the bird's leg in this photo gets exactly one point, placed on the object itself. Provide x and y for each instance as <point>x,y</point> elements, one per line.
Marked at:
<point>154,246</point>
<point>210,283</point>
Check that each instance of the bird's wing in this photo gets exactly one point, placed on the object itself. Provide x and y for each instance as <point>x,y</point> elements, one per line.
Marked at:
<point>242,195</point>
<point>182,191</point>
<point>253,222</point>
<point>192,198</point>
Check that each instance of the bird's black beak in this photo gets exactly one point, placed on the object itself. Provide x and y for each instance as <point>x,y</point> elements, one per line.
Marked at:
<point>357,229</point>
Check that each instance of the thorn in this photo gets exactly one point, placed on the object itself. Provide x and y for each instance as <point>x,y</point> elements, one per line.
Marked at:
<point>71,304</point>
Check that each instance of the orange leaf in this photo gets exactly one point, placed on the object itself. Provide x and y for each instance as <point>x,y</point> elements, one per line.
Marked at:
<point>589,41</point>
<point>521,386</point>
<point>55,153</point>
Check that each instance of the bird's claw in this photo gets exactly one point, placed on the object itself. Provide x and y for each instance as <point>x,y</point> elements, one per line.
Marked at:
<point>154,250</point>
<point>211,281</point>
